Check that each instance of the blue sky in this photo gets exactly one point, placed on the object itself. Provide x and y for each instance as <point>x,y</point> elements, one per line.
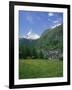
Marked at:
<point>38,22</point>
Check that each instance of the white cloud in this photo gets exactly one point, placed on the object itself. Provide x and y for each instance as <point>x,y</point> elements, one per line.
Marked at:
<point>56,21</point>
<point>50,14</point>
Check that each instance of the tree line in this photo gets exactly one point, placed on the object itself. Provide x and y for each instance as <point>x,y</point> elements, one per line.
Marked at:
<point>26,52</point>
<point>32,52</point>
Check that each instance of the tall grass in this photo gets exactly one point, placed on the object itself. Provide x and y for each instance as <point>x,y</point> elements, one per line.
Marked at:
<point>40,68</point>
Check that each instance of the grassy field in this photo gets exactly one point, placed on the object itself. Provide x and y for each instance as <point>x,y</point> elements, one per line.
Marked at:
<point>40,68</point>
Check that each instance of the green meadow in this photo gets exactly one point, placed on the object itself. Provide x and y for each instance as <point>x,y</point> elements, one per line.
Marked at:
<point>39,68</point>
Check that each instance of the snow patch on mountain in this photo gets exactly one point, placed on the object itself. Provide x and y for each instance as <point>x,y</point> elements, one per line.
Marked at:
<point>31,35</point>
<point>55,25</point>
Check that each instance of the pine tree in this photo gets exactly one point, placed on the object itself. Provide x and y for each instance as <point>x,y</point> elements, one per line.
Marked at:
<point>41,54</point>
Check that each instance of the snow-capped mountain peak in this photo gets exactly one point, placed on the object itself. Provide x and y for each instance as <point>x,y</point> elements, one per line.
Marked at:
<point>31,35</point>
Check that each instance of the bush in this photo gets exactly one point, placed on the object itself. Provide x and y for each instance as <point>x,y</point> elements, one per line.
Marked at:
<point>61,58</point>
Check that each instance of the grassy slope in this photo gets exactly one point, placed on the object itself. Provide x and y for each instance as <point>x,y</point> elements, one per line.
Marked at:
<point>40,68</point>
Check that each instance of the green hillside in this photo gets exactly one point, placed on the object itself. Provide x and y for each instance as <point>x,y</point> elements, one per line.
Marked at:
<point>52,38</point>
